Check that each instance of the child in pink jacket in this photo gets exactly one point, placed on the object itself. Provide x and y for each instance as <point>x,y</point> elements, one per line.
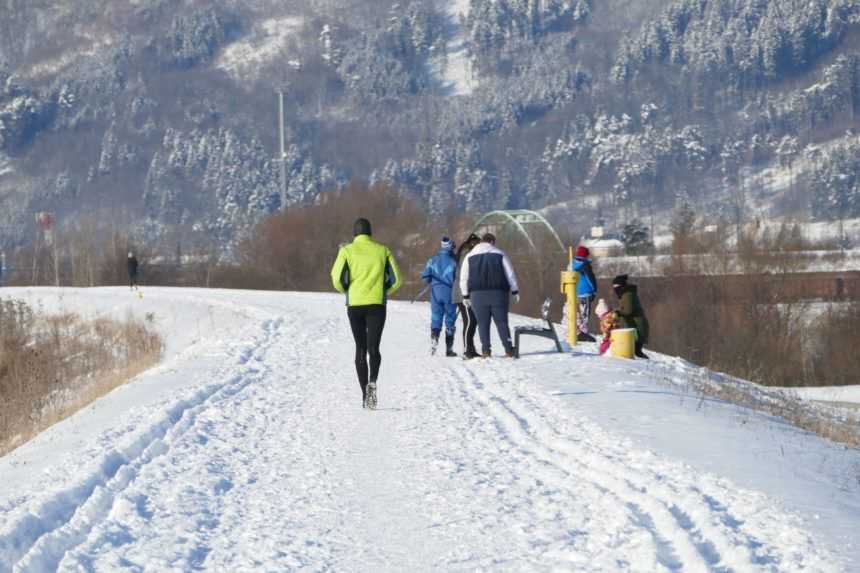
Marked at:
<point>608,322</point>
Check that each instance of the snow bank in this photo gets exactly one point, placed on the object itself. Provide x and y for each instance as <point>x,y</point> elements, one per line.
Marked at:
<point>841,394</point>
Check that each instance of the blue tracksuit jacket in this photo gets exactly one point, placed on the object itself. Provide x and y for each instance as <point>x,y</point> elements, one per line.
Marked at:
<point>441,273</point>
<point>587,283</point>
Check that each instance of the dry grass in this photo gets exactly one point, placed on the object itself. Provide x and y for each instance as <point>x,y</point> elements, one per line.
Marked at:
<point>841,425</point>
<point>50,367</point>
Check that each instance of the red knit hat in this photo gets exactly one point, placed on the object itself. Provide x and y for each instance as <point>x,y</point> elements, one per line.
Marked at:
<point>582,252</point>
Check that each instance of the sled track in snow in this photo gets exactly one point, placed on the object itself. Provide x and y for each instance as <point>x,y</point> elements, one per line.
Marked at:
<point>691,529</point>
<point>64,520</point>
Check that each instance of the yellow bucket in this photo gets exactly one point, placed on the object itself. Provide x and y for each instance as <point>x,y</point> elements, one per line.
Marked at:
<point>623,342</point>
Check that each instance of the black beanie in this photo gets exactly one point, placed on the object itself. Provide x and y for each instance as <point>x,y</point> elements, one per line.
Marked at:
<point>361,227</point>
<point>619,281</point>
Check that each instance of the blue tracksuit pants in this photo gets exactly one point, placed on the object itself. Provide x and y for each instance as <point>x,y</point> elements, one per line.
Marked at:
<point>442,310</point>
<point>492,304</point>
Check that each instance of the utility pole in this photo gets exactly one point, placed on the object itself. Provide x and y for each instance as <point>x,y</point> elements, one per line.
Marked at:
<point>283,157</point>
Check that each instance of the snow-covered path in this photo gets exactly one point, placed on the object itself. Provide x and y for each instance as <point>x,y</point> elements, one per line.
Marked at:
<point>247,449</point>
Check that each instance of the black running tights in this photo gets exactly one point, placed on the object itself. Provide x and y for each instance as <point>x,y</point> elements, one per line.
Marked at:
<point>367,323</point>
<point>470,325</point>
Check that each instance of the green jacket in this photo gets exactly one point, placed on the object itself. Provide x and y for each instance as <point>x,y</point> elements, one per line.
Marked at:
<point>631,314</point>
<point>366,272</point>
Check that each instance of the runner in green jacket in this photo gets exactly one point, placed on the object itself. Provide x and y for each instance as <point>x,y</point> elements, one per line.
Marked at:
<point>367,273</point>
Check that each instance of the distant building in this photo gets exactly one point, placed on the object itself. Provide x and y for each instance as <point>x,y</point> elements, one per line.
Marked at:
<point>604,247</point>
<point>603,244</point>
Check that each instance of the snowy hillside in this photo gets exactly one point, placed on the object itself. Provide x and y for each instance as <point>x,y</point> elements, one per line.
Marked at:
<point>247,449</point>
<point>622,109</point>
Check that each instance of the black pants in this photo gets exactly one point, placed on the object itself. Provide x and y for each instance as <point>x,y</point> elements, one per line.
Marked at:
<point>132,280</point>
<point>367,323</point>
<point>492,304</point>
<point>470,326</point>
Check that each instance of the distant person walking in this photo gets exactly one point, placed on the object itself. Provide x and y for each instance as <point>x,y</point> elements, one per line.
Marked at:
<point>132,271</point>
<point>441,274</point>
<point>630,313</point>
<point>586,290</point>
<point>470,321</point>
<point>487,283</point>
<point>367,273</point>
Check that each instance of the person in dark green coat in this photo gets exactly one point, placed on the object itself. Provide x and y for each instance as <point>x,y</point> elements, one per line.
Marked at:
<point>630,312</point>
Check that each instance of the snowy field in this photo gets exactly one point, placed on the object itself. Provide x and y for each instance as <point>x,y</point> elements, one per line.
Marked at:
<point>265,42</point>
<point>454,69</point>
<point>246,449</point>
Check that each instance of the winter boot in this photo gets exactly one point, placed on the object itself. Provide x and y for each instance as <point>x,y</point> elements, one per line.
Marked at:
<point>585,337</point>
<point>449,345</point>
<point>639,353</point>
<point>434,341</point>
<point>470,351</point>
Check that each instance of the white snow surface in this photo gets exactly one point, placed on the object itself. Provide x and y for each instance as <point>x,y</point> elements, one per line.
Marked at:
<point>266,41</point>
<point>246,449</point>
<point>843,394</point>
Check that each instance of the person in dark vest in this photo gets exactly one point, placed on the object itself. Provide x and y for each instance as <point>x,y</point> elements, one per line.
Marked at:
<point>132,271</point>
<point>487,282</point>
<point>630,312</point>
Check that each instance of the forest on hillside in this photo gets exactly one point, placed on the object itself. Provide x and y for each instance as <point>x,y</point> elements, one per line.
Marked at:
<point>160,117</point>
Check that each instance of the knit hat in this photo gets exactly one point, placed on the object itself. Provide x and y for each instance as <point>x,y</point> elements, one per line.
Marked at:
<point>130,254</point>
<point>619,281</point>
<point>601,309</point>
<point>582,252</point>
<point>447,244</point>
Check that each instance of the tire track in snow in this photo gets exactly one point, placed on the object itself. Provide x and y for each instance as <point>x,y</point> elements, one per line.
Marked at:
<point>196,489</point>
<point>712,545</point>
<point>606,531</point>
<point>537,504</point>
<point>64,520</point>
<point>672,548</point>
<point>716,535</point>
<point>278,464</point>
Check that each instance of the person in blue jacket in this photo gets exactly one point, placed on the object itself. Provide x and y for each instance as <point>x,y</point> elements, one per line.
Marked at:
<point>441,274</point>
<point>586,290</point>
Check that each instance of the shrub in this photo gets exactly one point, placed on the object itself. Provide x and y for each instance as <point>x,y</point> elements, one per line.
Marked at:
<point>51,366</point>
